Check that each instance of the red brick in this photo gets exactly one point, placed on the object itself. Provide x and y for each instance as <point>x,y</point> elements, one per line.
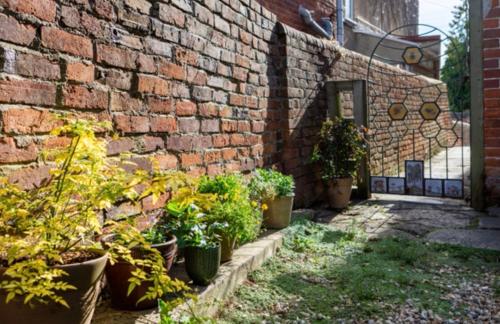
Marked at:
<point>238,139</point>
<point>146,63</point>
<point>220,140</point>
<point>131,124</point>
<point>153,84</point>
<point>43,9</point>
<point>210,126</point>
<point>214,169</point>
<point>30,177</point>
<point>76,96</point>
<point>27,92</point>
<point>149,205</point>
<point>185,108</point>
<point>12,31</point>
<point>104,8</point>
<point>163,124</point>
<point>11,153</point>
<point>70,16</point>
<point>258,126</point>
<point>60,40</point>
<point>491,63</point>
<point>490,23</point>
<point>229,126</point>
<point>212,156</point>
<point>171,15</point>
<point>122,101</point>
<point>28,121</point>
<point>160,105</point>
<point>166,161</point>
<point>208,110</point>
<point>115,56</point>
<point>152,143</point>
<point>54,142</point>
<point>190,159</point>
<point>171,70</point>
<point>36,66</point>
<point>183,55</point>
<point>229,154</point>
<point>243,126</point>
<point>196,77</point>
<point>188,125</point>
<point>240,73</point>
<point>80,71</point>
<point>236,99</point>
<point>120,145</point>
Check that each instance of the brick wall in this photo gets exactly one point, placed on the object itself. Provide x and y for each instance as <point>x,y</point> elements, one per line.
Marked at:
<point>491,45</point>
<point>308,63</point>
<point>204,86</point>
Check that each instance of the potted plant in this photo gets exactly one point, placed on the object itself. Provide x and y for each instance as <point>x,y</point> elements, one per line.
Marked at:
<point>234,207</point>
<point>51,260</point>
<point>276,191</point>
<point>186,209</point>
<point>202,252</point>
<point>339,151</point>
<point>150,256</point>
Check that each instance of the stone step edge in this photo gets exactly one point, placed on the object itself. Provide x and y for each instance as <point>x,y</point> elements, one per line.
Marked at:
<point>232,274</point>
<point>246,259</point>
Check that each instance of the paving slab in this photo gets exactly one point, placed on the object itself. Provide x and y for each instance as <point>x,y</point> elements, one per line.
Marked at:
<point>494,211</point>
<point>247,258</point>
<point>484,239</point>
<point>489,223</point>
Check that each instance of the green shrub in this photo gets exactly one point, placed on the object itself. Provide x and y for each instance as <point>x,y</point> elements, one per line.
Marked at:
<point>340,149</point>
<point>269,184</point>
<point>232,206</point>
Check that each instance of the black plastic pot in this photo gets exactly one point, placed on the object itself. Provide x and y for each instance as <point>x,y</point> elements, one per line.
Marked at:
<point>118,274</point>
<point>85,276</point>
<point>202,263</point>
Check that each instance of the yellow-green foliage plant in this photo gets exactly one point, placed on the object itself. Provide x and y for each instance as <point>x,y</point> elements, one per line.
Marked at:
<point>62,219</point>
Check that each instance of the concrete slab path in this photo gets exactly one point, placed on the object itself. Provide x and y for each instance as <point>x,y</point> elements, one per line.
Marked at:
<point>444,220</point>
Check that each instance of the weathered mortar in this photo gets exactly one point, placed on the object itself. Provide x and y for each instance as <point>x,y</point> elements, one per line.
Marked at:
<point>201,85</point>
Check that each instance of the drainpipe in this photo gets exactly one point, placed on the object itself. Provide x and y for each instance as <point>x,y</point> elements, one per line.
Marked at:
<point>326,30</point>
<point>340,21</point>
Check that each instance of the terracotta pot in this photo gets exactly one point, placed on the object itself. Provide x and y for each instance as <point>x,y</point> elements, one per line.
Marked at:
<point>227,248</point>
<point>339,192</point>
<point>278,212</point>
<point>85,276</point>
<point>202,263</point>
<point>118,274</point>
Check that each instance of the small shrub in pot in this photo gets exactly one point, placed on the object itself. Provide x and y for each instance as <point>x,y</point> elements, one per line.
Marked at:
<point>339,152</point>
<point>276,192</point>
<point>234,207</point>
<point>51,260</point>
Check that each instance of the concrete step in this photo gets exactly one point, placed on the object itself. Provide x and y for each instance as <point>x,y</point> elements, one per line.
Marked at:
<point>483,239</point>
<point>489,223</point>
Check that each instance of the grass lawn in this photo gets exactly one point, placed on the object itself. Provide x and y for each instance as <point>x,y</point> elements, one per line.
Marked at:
<point>322,276</point>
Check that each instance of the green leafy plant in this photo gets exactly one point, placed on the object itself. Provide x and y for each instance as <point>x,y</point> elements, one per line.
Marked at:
<point>205,235</point>
<point>60,221</point>
<point>267,184</point>
<point>232,206</point>
<point>340,148</point>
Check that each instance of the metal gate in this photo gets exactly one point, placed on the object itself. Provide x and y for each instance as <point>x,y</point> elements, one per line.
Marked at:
<point>417,144</point>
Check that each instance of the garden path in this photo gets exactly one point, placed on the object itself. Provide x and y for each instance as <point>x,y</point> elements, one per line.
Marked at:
<point>436,219</point>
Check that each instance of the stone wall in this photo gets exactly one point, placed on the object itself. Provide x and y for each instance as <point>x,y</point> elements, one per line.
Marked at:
<point>491,53</point>
<point>204,86</point>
